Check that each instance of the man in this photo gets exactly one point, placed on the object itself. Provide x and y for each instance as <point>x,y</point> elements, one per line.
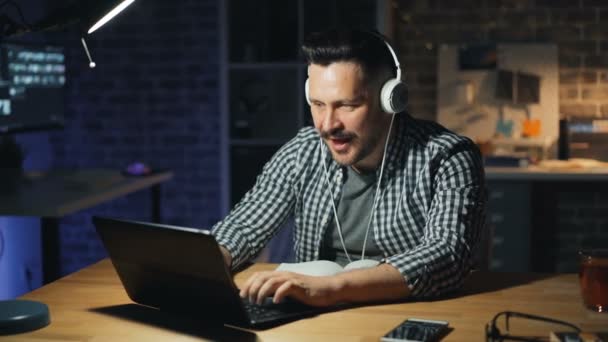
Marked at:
<point>406,193</point>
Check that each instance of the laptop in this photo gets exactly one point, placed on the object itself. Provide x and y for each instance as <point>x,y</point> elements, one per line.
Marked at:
<point>182,270</point>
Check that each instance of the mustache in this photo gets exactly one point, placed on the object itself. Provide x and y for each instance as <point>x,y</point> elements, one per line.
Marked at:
<point>336,134</point>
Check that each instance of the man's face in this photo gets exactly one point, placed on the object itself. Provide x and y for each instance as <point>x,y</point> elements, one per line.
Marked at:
<point>347,114</point>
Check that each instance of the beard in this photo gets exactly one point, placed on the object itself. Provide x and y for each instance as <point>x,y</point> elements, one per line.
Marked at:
<point>358,149</point>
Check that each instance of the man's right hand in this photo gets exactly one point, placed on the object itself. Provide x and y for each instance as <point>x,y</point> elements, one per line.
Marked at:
<point>227,256</point>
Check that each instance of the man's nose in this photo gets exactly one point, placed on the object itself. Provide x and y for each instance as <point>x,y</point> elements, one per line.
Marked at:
<point>330,120</point>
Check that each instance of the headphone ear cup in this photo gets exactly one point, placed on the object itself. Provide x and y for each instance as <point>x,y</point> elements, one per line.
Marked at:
<point>306,93</point>
<point>393,96</point>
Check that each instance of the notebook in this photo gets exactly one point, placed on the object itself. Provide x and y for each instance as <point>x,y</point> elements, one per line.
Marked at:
<point>181,270</point>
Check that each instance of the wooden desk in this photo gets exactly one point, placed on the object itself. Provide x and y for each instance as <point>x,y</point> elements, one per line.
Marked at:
<point>53,194</point>
<point>91,305</point>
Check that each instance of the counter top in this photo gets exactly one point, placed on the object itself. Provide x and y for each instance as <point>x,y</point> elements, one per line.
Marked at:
<point>535,173</point>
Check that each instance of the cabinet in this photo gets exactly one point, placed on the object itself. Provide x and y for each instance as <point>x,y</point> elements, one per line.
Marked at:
<point>509,225</point>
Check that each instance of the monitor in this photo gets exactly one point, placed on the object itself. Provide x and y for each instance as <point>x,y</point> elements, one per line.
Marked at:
<point>32,82</point>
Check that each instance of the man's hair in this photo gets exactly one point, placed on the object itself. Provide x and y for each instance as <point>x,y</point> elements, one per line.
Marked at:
<point>366,48</point>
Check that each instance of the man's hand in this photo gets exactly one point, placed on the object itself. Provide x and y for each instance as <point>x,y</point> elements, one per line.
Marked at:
<point>383,282</point>
<point>311,290</point>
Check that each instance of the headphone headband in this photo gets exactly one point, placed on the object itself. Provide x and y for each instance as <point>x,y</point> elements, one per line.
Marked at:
<point>392,52</point>
<point>393,94</point>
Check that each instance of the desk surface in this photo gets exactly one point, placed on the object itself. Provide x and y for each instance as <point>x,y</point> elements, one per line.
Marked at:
<point>91,305</point>
<point>58,193</point>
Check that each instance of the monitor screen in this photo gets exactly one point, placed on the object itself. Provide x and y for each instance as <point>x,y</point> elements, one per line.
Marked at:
<point>32,81</point>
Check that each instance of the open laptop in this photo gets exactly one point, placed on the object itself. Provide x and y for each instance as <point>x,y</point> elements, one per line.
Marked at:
<point>182,270</point>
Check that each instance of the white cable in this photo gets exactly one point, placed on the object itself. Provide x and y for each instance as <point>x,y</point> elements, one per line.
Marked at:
<point>376,197</point>
<point>333,201</point>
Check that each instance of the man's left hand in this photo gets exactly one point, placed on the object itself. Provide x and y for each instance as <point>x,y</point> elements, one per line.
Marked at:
<point>311,290</point>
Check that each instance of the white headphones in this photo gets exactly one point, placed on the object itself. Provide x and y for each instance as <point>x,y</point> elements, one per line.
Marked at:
<point>393,95</point>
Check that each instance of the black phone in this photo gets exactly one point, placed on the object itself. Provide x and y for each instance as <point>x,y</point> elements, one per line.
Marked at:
<point>417,330</point>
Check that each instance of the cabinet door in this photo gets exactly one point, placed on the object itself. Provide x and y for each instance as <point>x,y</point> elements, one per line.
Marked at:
<point>509,223</point>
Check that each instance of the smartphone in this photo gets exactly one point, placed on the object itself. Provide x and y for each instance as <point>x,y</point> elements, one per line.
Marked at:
<point>417,330</point>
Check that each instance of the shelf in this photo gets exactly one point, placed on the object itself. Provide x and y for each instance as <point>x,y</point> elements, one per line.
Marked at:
<point>529,142</point>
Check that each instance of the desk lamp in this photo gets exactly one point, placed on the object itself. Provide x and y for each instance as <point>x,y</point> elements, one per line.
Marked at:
<point>89,16</point>
<point>18,316</point>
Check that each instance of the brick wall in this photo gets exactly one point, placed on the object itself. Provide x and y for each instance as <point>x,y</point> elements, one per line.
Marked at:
<point>153,97</point>
<point>579,29</point>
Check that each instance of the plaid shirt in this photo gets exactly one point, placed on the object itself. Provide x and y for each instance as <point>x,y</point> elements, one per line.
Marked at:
<point>428,218</point>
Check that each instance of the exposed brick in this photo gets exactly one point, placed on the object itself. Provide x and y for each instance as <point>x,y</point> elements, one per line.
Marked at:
<point>558,3</point>
<point>511,18</point>
<point>558,33</point>
<point>514,34</point>
<point>459,5</point>
<point>578,109</point>
<point>510,4</point>
<point>568,93</point>
<point>431,19</point>
<point>427,79</point>
<point>417,49</point>
<point>419,64</point>
<point>595,3</point>
<point>596,31</point>
<point>594,93</point>
<point>459,34</point>
<point>573,16</point>
<point>603,47</point>
<point>587,47</point>
<point>570,60</point>
<point>596,61</point>
<point>575,76</point>
<point>424,111</point>
<point>409,33</point>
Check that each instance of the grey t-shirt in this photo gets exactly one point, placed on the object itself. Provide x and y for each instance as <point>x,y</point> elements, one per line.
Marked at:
<point>354,208</point>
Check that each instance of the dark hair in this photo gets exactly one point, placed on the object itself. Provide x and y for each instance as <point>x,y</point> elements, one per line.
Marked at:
<point>366,48</point>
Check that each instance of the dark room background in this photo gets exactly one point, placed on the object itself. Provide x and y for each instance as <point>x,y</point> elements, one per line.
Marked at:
<point>156,96</point>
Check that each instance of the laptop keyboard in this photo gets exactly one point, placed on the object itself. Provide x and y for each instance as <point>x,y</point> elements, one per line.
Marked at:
<point>268,311</point>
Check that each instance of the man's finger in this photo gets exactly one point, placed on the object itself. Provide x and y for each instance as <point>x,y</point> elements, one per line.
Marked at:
<point>256,284</point>
<point>246,289</point>
<point>269,287</point>
<point>283,291</point>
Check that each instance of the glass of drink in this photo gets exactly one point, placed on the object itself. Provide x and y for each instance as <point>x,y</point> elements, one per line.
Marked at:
<point>593,276</point>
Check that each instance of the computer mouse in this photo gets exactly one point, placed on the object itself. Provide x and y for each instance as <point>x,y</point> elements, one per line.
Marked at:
<point>137,169</point>
<point>363,263</point>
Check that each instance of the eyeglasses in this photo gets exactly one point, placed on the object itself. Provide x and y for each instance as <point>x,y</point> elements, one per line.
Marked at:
<point>493,334</point>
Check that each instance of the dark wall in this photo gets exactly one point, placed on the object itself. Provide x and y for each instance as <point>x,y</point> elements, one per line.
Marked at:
<point>153,97</point>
